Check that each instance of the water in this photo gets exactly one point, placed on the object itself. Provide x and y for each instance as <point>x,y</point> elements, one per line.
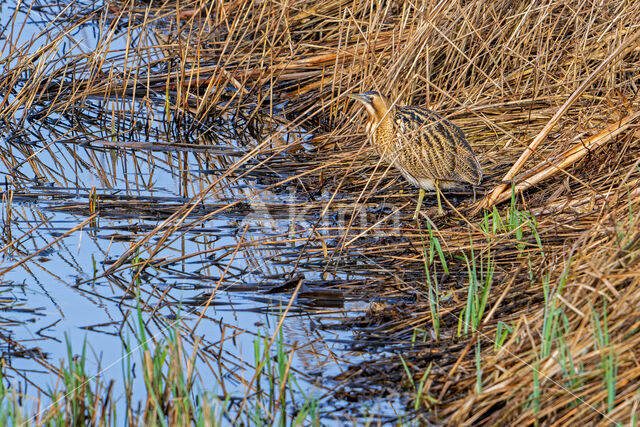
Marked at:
<point>223,267</point>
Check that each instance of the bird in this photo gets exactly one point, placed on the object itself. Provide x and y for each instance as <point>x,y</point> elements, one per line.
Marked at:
<point>429,151</point>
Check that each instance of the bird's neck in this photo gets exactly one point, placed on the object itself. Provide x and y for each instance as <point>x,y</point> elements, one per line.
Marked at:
<point>379,125</point>
<point>379,119</point>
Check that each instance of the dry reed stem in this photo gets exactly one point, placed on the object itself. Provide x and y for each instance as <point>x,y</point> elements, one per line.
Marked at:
<point>497,192</point>
<point>543,170</point>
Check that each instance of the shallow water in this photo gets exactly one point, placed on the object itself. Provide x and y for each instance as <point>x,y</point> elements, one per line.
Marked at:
<point>235,261</point>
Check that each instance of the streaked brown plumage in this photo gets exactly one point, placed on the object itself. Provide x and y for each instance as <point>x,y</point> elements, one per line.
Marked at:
<point>430,151</point>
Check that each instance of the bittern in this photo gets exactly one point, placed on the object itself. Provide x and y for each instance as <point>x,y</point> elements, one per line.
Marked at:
<point>430,151</point>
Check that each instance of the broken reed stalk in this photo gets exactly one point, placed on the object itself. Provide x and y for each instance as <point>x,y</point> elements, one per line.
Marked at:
<point>545,170</point>
<point>497,192</point>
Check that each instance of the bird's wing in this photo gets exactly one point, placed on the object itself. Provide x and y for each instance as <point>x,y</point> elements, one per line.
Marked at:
<point>468,168</point>
<point>433,147</point>
<point>427,143</point>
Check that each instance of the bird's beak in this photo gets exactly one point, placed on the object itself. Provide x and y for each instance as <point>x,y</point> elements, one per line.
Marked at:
<point>359,97</point>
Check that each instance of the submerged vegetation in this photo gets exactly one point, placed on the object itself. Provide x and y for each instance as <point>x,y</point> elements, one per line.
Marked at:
<point>195,169</point>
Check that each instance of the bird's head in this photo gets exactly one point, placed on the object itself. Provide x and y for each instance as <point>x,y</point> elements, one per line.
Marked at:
<point>377,105</point>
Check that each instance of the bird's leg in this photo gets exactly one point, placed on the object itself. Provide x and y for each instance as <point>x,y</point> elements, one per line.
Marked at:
<point>420,198</point>
<point>440,211</point>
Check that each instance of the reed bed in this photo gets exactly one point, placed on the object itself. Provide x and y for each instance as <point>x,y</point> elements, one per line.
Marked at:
<point>519,305</point>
